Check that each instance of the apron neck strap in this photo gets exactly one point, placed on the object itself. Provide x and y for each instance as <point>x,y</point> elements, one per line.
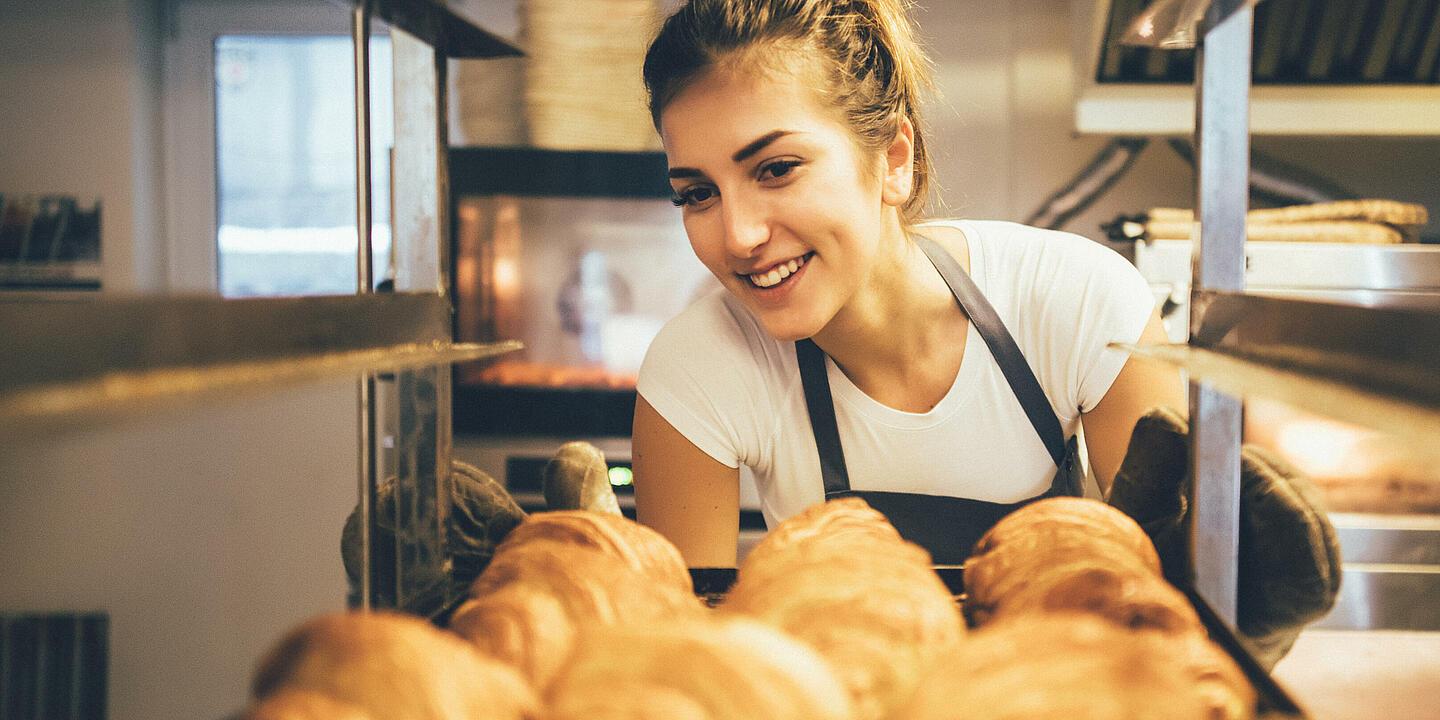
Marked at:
<point>1017,372</point>
<point>1002,346</point>
<point>822,416</point>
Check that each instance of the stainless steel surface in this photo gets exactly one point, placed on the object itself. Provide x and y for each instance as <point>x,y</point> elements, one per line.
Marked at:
<point>75,363</point>
<point>1392,573</point>
<point>360,40</point>
<point>440,26</point>
<point>1307,266</point>
<point>365,284</point>
<point>1408,420</point>
<point>421,398</point>
<point>1222,84</point>
<point>416,209</point>
<point>1215,425</point>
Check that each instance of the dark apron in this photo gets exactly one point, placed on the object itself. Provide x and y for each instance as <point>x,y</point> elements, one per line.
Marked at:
<point>946,526</point>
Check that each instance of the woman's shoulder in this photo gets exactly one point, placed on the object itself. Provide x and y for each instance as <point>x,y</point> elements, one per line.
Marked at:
<point>1020,251</point>
<point>716,334</point>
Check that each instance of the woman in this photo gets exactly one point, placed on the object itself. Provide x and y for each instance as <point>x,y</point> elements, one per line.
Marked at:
<point>797,156</point>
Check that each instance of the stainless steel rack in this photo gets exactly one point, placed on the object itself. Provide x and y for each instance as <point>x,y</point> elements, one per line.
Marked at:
<point>1372,365</point>
<point>78,363</point>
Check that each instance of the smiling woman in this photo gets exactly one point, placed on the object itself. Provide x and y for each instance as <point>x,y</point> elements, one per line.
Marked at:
<point>940,370</point>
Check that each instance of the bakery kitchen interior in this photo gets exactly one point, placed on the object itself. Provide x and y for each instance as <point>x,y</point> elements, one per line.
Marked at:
<point>317,407</point>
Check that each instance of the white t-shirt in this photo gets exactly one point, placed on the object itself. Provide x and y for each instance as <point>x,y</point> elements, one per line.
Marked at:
<point>734,391</point>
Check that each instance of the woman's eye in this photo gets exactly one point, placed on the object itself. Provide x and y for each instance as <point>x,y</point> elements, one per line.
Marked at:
<point>778,169</point>
<point>693,196</point>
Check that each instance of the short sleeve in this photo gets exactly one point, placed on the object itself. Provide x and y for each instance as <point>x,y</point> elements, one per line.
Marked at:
<point>1114,305</point>
<point>699,375</point>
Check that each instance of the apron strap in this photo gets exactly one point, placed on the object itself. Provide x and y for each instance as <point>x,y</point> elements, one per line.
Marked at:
<point>822,416</point>
<point>1017,372</point>
<point>1002,346</point>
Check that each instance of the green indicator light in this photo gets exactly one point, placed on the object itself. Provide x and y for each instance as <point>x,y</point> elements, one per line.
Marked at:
<point>621,476</point>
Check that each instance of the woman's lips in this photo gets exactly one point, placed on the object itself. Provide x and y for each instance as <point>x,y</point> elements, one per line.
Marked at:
<point>784,279</point>
<point>778,273</point>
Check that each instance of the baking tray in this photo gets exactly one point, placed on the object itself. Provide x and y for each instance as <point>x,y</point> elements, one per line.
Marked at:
<point>1272,702</point>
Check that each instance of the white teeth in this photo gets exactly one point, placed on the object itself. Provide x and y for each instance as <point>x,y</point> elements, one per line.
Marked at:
<point>777,273</point>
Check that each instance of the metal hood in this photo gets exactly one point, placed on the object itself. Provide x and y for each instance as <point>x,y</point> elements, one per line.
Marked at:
<point>1320,67</point>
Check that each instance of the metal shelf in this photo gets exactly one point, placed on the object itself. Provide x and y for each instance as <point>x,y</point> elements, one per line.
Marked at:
<point>440,27</point>
<point>1377,366</point>
<point>72,363</point>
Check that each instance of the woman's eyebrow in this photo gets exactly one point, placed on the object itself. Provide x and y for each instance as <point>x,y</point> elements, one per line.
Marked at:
<point>758,144</point>
<point>754,146</point>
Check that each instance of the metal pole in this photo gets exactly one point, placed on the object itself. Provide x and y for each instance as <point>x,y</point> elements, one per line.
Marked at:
<point>1222,141</point>
<point>364,281</point>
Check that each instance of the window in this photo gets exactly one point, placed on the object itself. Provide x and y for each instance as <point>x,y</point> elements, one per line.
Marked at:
<point>262,158</point>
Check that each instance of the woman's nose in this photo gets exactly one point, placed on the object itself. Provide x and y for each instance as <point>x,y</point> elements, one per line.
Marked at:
<point>746,228</point>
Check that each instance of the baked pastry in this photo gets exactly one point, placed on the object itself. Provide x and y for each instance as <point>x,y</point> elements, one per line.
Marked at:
<point>1037,540</point>
<point>839,521</point>
<point>303,705</point>
<point>839,578</point>
<point>395,667</point>
<point>1074,666</point>
<point>1122,592</point>
<point>538,595</point>
<point>578,478</point>
<point>709,669</point>
<point>1064,521</point>
<point>640,547</point>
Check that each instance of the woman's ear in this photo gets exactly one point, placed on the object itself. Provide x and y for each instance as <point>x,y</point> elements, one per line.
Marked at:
<point>899,180</point>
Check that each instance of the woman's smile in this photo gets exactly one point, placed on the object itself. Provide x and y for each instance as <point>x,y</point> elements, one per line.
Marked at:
<point>774,286</point>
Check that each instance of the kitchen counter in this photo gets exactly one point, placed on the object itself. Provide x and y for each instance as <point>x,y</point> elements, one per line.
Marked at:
<point>1355,675</point>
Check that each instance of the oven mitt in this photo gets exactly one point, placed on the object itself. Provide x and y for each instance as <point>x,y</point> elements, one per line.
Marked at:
<point>577,478</point>
<point>1289,558</point>
<point>482,513</point>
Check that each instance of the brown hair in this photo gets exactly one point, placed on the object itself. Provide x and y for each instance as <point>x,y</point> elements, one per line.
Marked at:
<point>876,69</point>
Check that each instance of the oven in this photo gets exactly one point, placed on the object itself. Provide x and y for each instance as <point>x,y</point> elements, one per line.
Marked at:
<point>581,257</point>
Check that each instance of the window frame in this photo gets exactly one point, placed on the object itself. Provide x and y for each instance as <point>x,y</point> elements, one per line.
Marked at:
<point>188,86</point>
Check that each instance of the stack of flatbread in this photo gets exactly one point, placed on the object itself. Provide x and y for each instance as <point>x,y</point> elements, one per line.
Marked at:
<point>1344,221</point>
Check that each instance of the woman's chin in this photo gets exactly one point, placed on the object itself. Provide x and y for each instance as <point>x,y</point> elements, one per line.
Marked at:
<point>787,328</point>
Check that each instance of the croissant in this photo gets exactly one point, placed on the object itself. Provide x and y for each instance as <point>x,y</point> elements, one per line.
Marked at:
<point>1074,666</point>
<point>395,667</point>
<point>709,669</point>
<point>639,546</point>
<point>1123,593</point>
<point>1037,540</point>
<point>839,578</point>
<point>537,596</point>
<point>845,520</point>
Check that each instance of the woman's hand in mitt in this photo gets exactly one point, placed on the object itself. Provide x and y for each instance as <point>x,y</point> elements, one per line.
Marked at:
<point>1289,558</point>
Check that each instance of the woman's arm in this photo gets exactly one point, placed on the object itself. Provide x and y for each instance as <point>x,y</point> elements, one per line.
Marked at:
<point>1142,384</point>
<point>688,496</point>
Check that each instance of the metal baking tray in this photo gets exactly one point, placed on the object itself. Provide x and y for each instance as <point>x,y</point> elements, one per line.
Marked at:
<point>1272,702</point>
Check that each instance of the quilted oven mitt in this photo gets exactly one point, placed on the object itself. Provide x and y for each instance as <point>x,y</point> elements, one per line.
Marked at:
<point>482,513</point>
<point>1289,564</point>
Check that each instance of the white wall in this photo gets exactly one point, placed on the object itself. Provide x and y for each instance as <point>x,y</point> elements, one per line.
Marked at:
<point>203,533</point>
<point>80,88</point>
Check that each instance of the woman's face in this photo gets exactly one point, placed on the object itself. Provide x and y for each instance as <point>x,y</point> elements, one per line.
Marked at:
<point>779,202</point>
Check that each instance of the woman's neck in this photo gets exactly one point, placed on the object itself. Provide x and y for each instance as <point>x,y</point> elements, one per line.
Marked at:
<point>901,337</point>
